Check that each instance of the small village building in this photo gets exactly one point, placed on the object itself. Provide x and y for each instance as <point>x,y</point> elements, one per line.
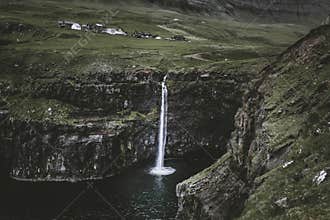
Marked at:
<point>145,35</point>
<point>114,31</point>
<point>85,27</point>
<point>98,27</point>
<point>179,38</point>
<point>65,24</point>
<point>76,26</point>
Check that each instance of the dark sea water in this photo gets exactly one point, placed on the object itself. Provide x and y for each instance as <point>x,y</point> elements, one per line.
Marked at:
<point>135,194</point>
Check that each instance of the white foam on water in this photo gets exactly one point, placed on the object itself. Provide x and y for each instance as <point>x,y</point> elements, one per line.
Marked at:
<point>162,171</point>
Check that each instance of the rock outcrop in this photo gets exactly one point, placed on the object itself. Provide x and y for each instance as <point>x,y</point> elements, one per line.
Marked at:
<point>64,128</point>
<point>279,147</point>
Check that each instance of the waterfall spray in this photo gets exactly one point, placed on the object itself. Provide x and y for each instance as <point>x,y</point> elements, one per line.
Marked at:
<point>159,169</point>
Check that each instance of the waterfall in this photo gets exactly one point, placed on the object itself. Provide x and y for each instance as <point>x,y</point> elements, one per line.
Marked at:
<point>159,169</point>
<point>162,126</point>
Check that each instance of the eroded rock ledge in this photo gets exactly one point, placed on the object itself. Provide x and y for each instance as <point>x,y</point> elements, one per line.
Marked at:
<point>279,147</point>
<point>66,128</point>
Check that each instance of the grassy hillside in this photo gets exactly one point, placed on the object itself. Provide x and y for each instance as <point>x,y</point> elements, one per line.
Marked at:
<point>30,36</point>
<point>298,127</point>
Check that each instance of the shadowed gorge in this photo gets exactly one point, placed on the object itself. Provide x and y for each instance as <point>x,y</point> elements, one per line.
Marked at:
<point>231,95</point>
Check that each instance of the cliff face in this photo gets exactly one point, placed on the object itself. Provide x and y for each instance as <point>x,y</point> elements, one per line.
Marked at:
<point>278,159</point>
<point>96,113</point>
<point>111,122</point>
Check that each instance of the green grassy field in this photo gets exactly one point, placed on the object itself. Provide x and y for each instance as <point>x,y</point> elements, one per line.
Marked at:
<point>212,41</point>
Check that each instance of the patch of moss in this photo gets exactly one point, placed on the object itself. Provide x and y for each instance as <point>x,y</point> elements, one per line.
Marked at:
<point>298,105</point>
<point>25,108</point>
<point>305,198</point>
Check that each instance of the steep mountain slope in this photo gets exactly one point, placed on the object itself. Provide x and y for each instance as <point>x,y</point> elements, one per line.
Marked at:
<point>280,10</point>
<point>278,157</point>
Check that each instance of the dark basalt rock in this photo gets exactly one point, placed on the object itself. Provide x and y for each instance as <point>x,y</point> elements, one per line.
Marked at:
<point>273,159</point>
<point>105,122</point>
<point>47,152</point>
<point>199,196</point>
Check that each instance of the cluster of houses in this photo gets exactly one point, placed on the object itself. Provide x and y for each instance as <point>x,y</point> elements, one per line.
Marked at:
<point>97,28</point>
<point>100,28</point>
<point>145,35</point>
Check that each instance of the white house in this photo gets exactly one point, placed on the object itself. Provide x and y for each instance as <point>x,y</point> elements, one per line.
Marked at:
<point>76,26</point>
<point>114,31</point>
